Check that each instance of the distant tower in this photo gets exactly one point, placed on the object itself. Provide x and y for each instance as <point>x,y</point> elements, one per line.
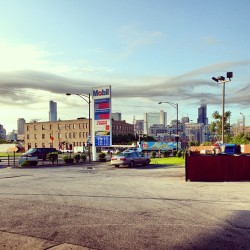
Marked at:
<point>52,111</point>
<point>202,114</point>
<point>20,126</point>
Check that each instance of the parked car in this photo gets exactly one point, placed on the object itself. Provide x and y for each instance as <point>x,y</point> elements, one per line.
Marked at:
<point>41,153</point>
<point>130,159</point>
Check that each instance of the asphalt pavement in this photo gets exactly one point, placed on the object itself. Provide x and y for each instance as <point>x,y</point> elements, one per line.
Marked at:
<point>97,206</point>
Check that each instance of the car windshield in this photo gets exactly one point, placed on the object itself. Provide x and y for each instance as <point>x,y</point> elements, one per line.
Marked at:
<point>31,150</point>
<point>124,154</point>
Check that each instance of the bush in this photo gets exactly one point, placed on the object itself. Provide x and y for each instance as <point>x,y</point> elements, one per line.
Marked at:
<point>102,156</point>
<point>77,157</point>
<point>174,153</point>
<point>179,153</point>
<point>52,157</point>
<point>68,159</point>
<point>166,153</point>
<point>83,157</point>
<point>153,154</point>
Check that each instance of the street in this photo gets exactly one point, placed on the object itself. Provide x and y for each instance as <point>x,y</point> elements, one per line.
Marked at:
<point>103,207</point>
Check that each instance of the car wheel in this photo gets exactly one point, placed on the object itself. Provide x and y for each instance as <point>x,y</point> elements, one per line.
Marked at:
<point>117,166</point>
<point>146,163</point>
<point>131,164</point>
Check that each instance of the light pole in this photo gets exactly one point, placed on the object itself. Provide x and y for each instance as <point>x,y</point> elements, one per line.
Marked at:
<point>243,123</point>
<point>175,105</point>
<point>221,79</point>
<point>86,98</point>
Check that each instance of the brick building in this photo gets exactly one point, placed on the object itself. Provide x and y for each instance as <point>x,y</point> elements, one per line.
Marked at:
<point>66,134</point>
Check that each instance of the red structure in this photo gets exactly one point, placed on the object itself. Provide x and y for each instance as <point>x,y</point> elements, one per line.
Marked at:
<point>217,168</point>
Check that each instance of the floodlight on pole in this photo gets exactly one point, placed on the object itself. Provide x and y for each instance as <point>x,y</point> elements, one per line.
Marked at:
<point>223,80</point>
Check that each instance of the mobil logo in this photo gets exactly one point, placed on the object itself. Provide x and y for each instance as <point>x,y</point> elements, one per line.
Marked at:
<point>100,92</point>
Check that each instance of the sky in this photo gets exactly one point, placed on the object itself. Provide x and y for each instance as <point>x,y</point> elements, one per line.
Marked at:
<point>148,51</point>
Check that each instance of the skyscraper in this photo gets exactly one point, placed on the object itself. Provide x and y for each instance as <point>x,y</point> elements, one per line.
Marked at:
<point>52,111</point>
<point>20,126</point>
<point>154,118</point>
<point>202,114</point>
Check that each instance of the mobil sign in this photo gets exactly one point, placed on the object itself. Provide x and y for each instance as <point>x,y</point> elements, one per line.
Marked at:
<point>102,116</point>
<point>101,92</point>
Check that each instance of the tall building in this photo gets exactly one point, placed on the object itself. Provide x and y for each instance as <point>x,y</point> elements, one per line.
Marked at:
<point>154,118</point>
<point>20,126</point>
<point>117,116</point>
<point>2,132</point>
<point>202,114</point>
<point>52,111</point>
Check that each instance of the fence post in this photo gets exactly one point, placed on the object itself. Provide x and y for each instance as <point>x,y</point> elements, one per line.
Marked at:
<point>186,166</point>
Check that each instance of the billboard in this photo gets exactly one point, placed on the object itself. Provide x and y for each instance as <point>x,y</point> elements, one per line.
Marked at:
<point>102,116</point>
<point>159,145</point>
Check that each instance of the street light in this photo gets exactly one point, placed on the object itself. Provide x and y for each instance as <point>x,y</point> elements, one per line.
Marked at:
<point>243,122</point>
<point>221,79</point>
<point>175,105</point>
<point>86,98</point>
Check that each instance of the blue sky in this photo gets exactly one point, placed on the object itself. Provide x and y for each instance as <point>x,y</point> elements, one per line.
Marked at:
<point>148,51</point>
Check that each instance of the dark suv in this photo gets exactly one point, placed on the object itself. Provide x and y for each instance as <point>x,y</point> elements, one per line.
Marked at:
<point>41,153</point>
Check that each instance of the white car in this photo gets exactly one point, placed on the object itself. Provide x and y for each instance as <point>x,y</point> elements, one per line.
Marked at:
<point>129,158</point>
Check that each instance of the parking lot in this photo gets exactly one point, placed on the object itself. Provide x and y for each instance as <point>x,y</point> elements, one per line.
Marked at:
<point>98,206</point>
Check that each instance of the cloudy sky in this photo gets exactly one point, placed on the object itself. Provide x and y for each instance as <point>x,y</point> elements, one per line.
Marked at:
<point>148,51</point>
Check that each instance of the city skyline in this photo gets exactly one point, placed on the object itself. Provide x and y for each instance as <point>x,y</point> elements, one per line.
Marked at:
<point>149,52</point>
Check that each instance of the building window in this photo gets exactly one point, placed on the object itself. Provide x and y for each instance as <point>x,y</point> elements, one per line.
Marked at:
<point>86,124</point>
<point>35,145</point>
<point>35,137</point>
<point>69,135</point>
<point>83,125</point>
<point>80,125</point>
<point>28,136</point>
<point>27,128</point>
<point>74,126</point>
<point>43,145</point>
<point>35,127</point>
<point>74,144</point>
<point>80,134</point>
<point>43,127</point>
<point>74,134</point>
<point>43,136</point>
<point>83,134</point>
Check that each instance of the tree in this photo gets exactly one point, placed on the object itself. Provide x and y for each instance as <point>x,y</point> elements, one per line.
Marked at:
<point>216,126</point>
<point>240,139</point>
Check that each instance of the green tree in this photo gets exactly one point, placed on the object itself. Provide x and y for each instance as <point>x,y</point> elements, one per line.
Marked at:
<point>216,126</point>
<point>240,139</point>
